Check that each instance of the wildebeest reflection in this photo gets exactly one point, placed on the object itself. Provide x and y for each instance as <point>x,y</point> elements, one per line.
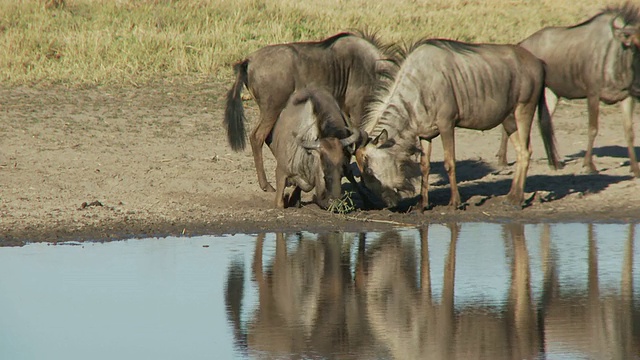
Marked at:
<point>413,325</point>
<point>600,325</point>
<point>307,301</point>
<point>315,301</point>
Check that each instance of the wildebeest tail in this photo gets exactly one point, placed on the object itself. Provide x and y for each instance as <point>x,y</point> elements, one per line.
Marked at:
<point>546,131</point>
<point>234,113</point>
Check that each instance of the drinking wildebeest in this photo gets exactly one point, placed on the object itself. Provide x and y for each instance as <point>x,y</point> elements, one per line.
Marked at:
<point>347,64</point>
<point>308,142</point>
<point>599,60</point>
<point>443,84</point>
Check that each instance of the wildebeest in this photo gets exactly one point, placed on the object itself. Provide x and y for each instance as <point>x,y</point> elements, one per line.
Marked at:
<point>348,64</point>
<point>599,60</point>
<point>443,84</point>
<point>308,142</point>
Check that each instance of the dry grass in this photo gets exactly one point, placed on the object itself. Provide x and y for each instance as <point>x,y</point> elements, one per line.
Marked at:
<point>122,42</point>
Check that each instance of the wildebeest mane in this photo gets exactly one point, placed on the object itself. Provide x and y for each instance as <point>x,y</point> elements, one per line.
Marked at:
<point>629,12</point>
<point>390,50</point>
<point>447,44</point>
<point>377,99</point>
<point>328,42</point>
<point>370,36</point>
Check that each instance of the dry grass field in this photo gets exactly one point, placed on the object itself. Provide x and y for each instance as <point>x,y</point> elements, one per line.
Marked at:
<point>111,118</point>
<point>131,42</point>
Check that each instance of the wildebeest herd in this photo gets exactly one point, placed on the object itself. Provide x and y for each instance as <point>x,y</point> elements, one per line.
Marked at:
<point>321,102</point>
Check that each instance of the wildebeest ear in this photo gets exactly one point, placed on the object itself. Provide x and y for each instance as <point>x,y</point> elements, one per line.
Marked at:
<point>621,32</point>
<point>381,139</point>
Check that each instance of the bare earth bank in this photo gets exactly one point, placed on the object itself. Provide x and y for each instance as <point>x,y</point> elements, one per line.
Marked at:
<point>98,164</point>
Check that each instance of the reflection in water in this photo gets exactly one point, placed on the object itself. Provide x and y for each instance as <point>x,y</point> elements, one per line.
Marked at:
<point>317,297</point>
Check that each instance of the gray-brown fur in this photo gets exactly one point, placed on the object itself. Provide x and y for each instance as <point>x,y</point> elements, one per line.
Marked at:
<point>308,142</point>
<point>599,60</point>
<point>346,64</point>
<point>443,84</point>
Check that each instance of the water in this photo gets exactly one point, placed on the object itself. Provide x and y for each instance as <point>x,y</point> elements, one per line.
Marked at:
<point>459,291</point>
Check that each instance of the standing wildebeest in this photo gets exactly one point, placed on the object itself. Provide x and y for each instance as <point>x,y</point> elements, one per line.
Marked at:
<point>347,64</point>
<point>599,60</point>
<point>308,142</point>
<point>443,84</point>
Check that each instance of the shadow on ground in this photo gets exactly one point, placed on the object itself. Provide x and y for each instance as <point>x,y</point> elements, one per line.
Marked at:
<point>559,186</point>
<point>614,151</point>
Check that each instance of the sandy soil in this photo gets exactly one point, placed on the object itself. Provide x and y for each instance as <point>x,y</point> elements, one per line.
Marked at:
<point>100,164</point>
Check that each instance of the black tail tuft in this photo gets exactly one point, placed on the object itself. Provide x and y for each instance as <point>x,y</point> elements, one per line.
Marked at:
<point>234,113</point>
<point>547,133</point>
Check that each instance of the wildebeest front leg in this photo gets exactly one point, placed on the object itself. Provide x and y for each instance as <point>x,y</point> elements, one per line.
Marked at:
<point>281,182</point>
<point>257,138</point>
<point>425,167</point>
<point>627,106</point>
<point>448,143</point>
<point>593,103</point>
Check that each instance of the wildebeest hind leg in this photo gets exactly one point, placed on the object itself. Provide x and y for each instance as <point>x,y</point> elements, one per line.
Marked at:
<point>627,106</point>
<point>502,151</point>
<point>551,101</point>
<point>520,139</point>
<point>258,137</point>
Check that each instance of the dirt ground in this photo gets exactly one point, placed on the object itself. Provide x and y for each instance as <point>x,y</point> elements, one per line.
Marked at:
<point>154,161</point>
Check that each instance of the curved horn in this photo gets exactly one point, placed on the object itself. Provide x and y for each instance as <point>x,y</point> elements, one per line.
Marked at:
<point>355,136</point>
<point>364,138</point>
<point>310,145</point>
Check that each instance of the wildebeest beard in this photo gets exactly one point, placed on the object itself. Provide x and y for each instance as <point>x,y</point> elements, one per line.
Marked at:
<point>634,89</point>
<point>392,195</point>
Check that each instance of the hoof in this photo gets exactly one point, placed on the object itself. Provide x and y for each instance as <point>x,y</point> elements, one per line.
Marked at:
<point>515,204</point>
<point>589,170</point>
<point>424,208</point>
<point>269,189</point>
<point>458,206</point>
<point>560,166</point>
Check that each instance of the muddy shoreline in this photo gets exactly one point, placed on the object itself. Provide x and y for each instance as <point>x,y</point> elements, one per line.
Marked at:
<point>153,161</point>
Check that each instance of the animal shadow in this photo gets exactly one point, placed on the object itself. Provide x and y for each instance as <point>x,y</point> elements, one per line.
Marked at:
<point>466,170</point>
<point>559,186</point>
<point>614,151</point>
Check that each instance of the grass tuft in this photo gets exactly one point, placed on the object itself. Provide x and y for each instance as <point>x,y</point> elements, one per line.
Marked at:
<point>344,205</point>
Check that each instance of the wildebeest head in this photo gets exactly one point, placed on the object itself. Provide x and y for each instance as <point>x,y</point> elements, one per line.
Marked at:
<point>629,36</point>
<point>330,156</point>
<point>383,171</point>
